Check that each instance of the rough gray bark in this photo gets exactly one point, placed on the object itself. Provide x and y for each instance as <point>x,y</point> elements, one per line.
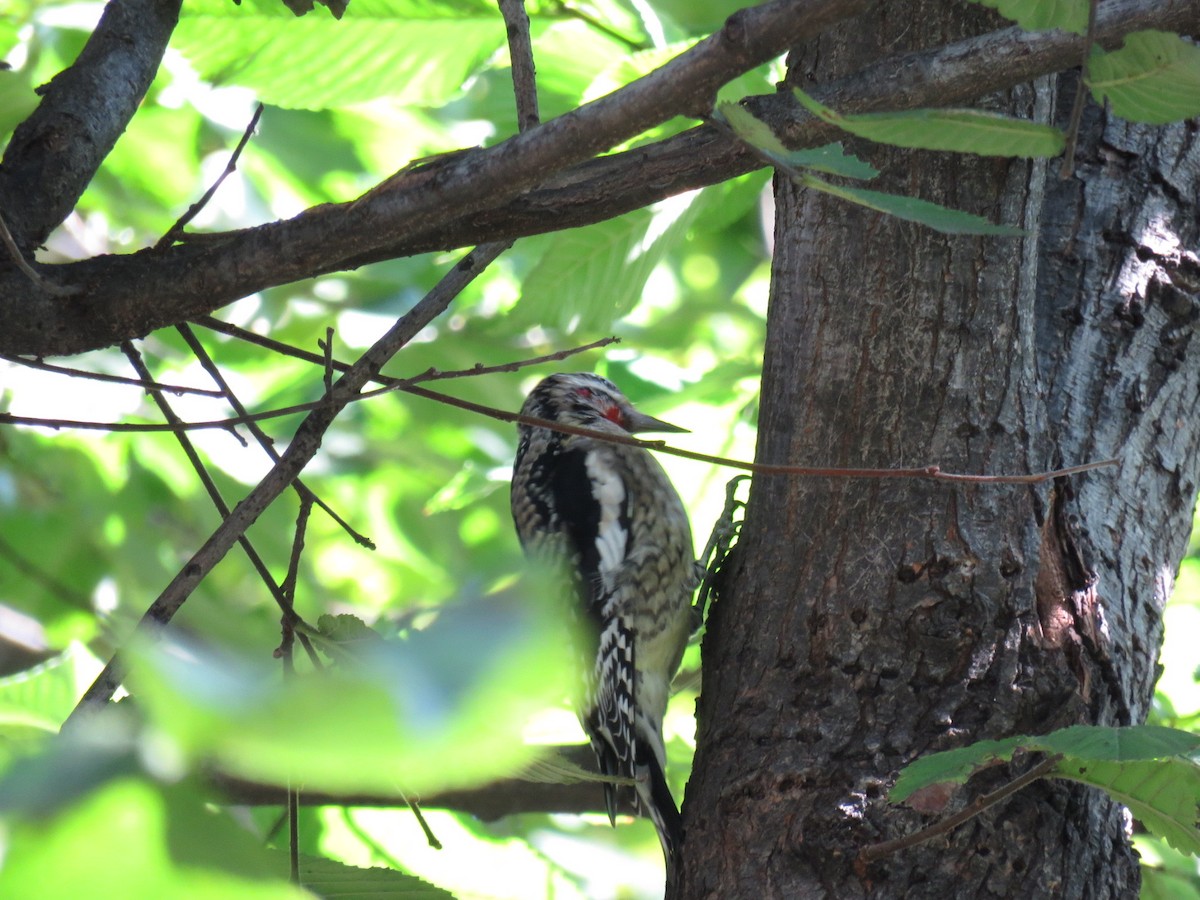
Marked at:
<point>863,624</point>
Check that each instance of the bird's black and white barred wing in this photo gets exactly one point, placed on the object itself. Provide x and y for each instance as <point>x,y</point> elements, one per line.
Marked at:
<point>573,505</point>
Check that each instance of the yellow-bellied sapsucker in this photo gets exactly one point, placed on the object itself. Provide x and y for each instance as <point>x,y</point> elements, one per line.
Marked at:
<point>608,517</point>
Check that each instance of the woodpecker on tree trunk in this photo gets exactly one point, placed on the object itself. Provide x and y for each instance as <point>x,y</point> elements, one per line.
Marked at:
<point>605,516</point>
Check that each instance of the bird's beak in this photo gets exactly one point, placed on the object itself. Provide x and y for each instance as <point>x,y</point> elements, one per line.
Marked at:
<point>636,422</point>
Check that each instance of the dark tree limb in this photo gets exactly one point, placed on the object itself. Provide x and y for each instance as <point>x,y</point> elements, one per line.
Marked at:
<point>465,199</point>
<point>54,154</point>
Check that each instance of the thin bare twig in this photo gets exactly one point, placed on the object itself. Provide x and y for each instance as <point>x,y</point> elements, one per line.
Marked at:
<point>243,334</point>
<point>285,653</point>
<point>42,366</point>
<point>875,851</point>
<point>303,448</point>
<point>931,472</point>
<point>264,440</point>
<point>175,231</point>
<point>210,486</point>
<point>1081,94</point>
<point>56,290</point>
<point>520,52</point>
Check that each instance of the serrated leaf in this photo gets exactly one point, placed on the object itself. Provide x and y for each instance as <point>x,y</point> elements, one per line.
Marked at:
<point>1043,15</point>
<point>588,277</point>
<point>955,766</point>
<point>1096,742</point>
<point>315,63</point>
<point>953,130</point>
<point>911,209</point>
<point>830,158</point>
<point>330,878</point>
<point>1146,767</point>
<point>1153,78</point>
<point>1162,794</point>
<point>345,628</point>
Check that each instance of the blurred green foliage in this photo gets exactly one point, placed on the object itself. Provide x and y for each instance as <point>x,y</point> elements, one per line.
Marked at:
<point>93,526</point>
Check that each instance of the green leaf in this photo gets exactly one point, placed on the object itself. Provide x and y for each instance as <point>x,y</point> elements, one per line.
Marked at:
<point>911,209</point>
<point>1162,794</point>
<point>955,766</point>
<point>830,158</point>
<point>1147,767</point>
<point>1094,742</point>
<point>34,703</point>
<point>316,63</point>
<point>1153,78</point>
<point>443,708</point>
<point>136,839</point>
<point>589,276</point>
<point>954,130</point>
<point>329,878</point>
<point>1044,15</point>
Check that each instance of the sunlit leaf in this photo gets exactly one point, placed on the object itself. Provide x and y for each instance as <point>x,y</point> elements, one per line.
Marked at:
<point>135,839</point>
<point>379,50</point>
<point>34,703</point>
<point>1154,77</point>
<point>829,158</point>
<point>329,878</point>
<point>956,130</point>
<point>588,277</point>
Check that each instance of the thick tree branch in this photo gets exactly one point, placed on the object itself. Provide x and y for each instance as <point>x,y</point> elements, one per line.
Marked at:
<point>209,271</point>
<point>54,154</point>
<point>182,285</point>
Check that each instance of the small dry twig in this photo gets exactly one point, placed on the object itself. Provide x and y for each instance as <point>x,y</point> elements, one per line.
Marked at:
<point>1081,93</point>
<point>176,230</point>
<point>520,51</point>
<point>875,851</point>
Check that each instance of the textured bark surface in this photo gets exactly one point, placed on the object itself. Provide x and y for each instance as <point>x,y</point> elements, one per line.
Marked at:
<point>866,623</point>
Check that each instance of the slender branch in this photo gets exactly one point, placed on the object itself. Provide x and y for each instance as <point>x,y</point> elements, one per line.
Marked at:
<point>18,258</point>
<point>302,449</point>
<point>487,802</point>
<point>1081,95</point>
<point>264,441</point>
<point>176,389</point>
<point>174,232</point>
<point>875,851</point>
<point>210,486</point>
<point>931,472</point>
<point>520,52</point>
<point>428,375</point>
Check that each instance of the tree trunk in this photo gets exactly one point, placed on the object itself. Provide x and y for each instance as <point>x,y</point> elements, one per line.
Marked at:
<point>864,623</point>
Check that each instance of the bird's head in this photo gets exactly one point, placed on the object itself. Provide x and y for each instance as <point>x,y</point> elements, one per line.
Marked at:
<point>589,401</point>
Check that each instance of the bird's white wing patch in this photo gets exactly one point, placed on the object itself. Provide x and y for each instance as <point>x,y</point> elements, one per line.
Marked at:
<point>612,533</point>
